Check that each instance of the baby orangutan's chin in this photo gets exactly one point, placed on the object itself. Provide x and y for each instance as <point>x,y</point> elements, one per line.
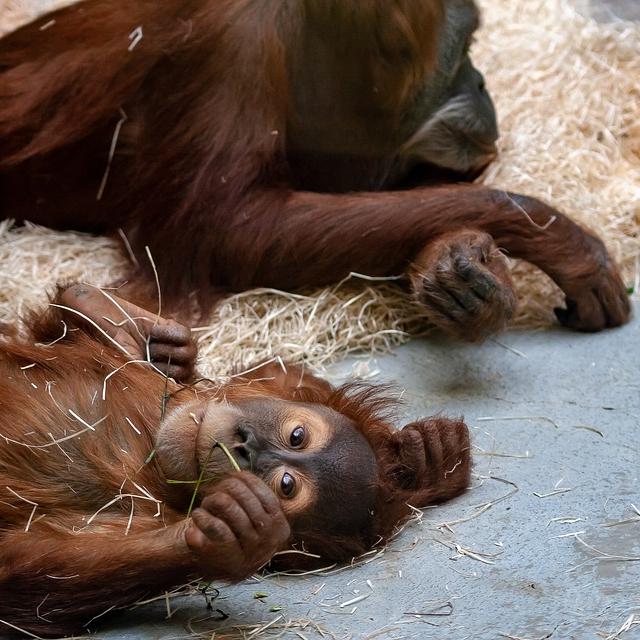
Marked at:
<point>187,434</point>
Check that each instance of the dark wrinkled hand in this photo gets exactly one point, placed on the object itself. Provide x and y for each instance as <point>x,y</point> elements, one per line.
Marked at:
<point>237,529</point>
<point>464,285</point>
<point>596,297</point>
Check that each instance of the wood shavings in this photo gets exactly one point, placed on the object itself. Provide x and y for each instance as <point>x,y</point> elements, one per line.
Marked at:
<point>112,151</point>
<point>353,601</point>
<point>585,427</point>
<point>573,534</point>
<point>485,506</point>
<point>145,495</point>
<point>135,37</point>
<point>550,494</point>
<point>619,523</point>
<point>444,610</point>
<point>603,555</point>
<point>565,520</point>
<point>81,420</point>
<point>544,227</point>
<point>544,637</point>
<point>632,621</point>
<point>510,418</point>
<point>133,426</point>
<point>29,502</point>
<point>19,630</point>
<point>264,627</point>
<point>479,556</point>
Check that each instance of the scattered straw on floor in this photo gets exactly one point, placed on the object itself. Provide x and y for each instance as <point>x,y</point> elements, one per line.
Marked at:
<point>568,94</point>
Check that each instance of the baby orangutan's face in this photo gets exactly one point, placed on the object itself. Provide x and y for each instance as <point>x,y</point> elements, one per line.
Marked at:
<point>318,464</point>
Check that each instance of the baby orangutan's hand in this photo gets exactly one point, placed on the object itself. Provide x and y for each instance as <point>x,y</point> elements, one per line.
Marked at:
<point>237,529</point>
<point>140,334</point>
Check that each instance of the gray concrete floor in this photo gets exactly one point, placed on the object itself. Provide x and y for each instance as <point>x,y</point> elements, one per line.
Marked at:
<point>554,414</point>
<point>615,10</point>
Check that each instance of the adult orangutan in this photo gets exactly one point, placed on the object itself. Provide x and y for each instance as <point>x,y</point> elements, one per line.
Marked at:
<point>102,458</point>
<point>273,143</point>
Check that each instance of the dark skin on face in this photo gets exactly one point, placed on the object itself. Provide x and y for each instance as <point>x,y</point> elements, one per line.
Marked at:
<point>458,128</point>
<point>83,403</point>
<point>448,119</point>
<point>312,458</point>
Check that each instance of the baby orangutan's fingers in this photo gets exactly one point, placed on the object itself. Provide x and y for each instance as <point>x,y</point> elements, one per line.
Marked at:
<point>212,528</point>
<point>173,361</point>
<point>258,502</point>
<point>172,350</point>
<point>132,329</point>
<point>267,498</point>
<point>170,332</point>
<point>256,517</point>
<point>162,352</point>
<point>230,510</point>
<point>181,373</point>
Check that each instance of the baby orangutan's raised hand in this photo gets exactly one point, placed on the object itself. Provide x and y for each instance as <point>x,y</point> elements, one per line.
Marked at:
<point>138,333</point>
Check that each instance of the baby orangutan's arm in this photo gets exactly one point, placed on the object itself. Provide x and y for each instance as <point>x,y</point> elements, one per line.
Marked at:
<point>55,582</point>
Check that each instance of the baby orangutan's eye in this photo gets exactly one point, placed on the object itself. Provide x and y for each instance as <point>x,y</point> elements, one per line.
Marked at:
<point>297,437</point>
<point>287,485</point>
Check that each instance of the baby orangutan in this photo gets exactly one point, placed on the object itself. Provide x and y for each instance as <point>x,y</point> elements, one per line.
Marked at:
<point>114,483</point>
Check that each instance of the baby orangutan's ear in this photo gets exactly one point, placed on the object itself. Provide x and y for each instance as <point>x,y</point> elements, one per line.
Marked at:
<point>434,459</point>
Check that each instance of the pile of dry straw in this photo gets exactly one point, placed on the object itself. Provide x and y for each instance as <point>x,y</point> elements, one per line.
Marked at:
<point>568,94</point>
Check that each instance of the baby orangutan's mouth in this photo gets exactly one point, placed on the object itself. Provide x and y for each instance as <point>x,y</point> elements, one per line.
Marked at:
<point>193,437</point>
<point>217,435</point>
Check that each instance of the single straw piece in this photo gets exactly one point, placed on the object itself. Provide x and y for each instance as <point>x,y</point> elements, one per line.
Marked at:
<point>201,479</point>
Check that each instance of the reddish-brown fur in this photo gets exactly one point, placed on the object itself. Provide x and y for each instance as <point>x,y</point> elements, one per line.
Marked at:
<point>203,171</point>
<point>89,522</point>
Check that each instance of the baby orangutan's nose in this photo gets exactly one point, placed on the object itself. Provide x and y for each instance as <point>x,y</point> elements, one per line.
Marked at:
<point>246,452</point>
<point>256,451</point>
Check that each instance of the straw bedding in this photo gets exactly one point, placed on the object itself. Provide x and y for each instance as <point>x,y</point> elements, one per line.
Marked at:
<point>568,95</point>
